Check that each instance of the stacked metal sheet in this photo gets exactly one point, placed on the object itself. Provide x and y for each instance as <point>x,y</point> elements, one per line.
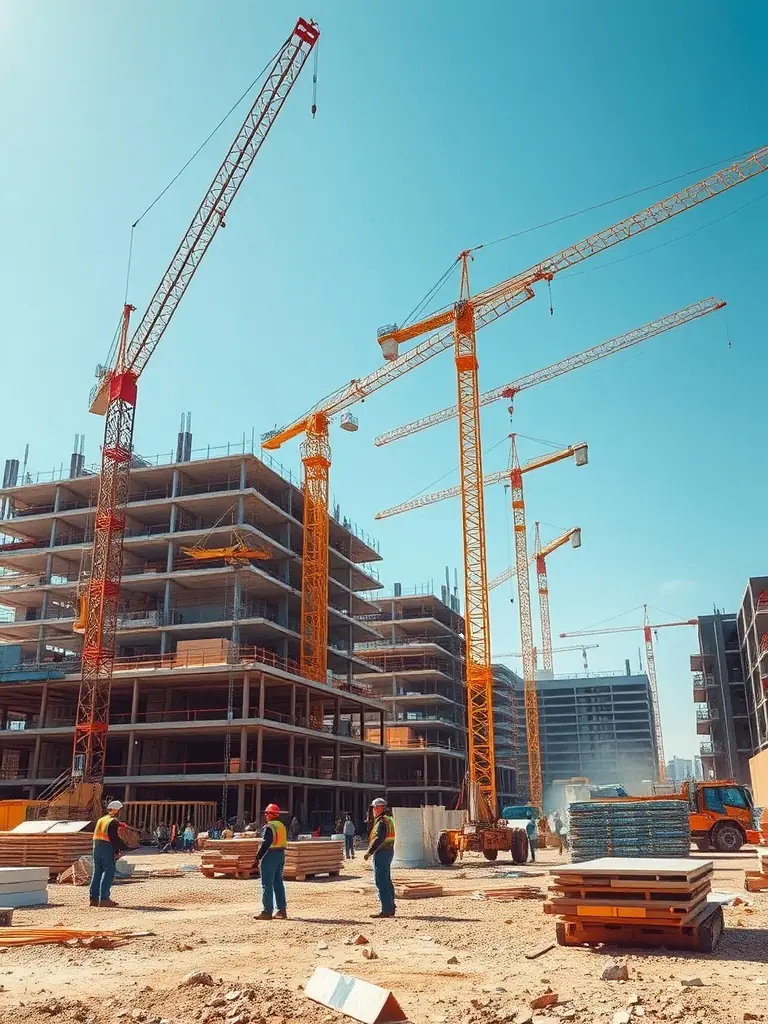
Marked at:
<point>629,828</point>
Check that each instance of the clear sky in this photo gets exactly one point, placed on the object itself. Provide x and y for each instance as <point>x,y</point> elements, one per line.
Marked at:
<point>440,125</point>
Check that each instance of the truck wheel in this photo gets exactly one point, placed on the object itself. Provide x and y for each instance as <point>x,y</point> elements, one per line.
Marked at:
<point>702,845</point>
<point>490,854</point>
<point>727,838</point>
<point>446,851</point>
<point>519,846</point>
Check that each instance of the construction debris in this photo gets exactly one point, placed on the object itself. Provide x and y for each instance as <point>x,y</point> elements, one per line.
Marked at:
<point>615,972</point>
<point>536,953</point>
<point>757,880</point>
<point>63,936</point>
<point>507,895</point>
<point>417,890</point>
<point>357,999</point>
<point>196,978</point>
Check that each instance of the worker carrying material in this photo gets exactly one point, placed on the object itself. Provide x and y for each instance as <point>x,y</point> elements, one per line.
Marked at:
<point>271,860</point>
<point>381,846</point>
<point>107,847</point>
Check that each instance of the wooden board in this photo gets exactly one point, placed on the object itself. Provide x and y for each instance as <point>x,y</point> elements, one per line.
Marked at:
<point>649,894</point>
<point>648,868</point>
<point>701,933</point>
<point>612,912</point>
<point>237,857</point>
<point>48,850</point>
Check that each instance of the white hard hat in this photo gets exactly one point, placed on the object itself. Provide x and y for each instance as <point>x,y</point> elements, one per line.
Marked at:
<point>114,805</point>
<point>379,802</point>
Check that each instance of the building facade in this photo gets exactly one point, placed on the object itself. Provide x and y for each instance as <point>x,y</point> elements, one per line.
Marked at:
<point>207,699</point>
<point>752,626</point>
<point>680,769</point>
<point>596,726</point>
<point>420,657</point>
<point>719,691</point>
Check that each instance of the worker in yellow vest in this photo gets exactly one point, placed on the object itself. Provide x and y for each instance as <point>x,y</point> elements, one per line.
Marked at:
<point>381,846</point>
<point>271,860</point>
<point>107,847</point>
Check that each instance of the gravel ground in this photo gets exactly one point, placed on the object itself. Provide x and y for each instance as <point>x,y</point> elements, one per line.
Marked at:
<point>448,960</point>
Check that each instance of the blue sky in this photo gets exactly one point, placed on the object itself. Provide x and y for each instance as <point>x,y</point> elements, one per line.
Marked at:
<point>439,127</point>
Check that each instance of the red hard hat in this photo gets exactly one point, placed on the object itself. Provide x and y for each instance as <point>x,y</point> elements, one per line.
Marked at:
<point>272,809</point>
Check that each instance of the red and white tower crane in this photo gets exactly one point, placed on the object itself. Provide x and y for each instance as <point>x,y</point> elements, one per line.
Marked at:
<point>115,398</point>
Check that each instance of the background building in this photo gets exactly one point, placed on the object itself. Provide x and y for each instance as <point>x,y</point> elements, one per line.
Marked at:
<point>595,726</point>
<point>420,656</point>
<point>753,642</point>
<point>207,699</point>
<point>680,769</point>
<point>722,714</point>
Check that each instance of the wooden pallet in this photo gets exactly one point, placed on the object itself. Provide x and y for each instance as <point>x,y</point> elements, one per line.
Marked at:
<point>305,860</point>
<point>755,881</point>
<point>417,890</point>
<point>702,933</point>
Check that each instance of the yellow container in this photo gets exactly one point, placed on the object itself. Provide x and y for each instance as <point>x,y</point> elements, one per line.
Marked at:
<point>13,812</point>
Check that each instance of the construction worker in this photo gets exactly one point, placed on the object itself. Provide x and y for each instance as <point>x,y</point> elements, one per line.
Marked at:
<point>381,846</point>
<point>107,847</point>
<point>271,860</point>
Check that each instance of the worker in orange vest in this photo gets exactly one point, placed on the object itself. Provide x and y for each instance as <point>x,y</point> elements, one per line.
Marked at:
<point>271,860</point>
<point>107,847</point>
<point>381,846</point>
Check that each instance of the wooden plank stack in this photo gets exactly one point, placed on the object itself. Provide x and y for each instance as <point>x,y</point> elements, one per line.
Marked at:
<point>636,901</point>
<point>49,850</point>
<point>508,894</point>
<point>236,858</point>
<point>416,890</point>
<point>317,857</point>
<point>757,881</point>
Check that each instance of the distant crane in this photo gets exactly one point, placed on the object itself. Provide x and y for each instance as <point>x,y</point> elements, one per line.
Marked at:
<point>115,398</point>
<point>574,536</point>
<point>557,650</point>
<point>650,662</point>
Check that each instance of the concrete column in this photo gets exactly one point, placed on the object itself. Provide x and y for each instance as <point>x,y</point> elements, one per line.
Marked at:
<point>306,708</point>
<point>381,727</point>
<point>337,716</point>
<point>336,804</point>
<point>293,703</point>
<point>262,694</point>
<point>336,760</point>
<point>291,811</point>
<point>135,702</point>
<point>240,799</point>
<point>243,749</point>
<point>43,704</point>
<point>129,793</point>
<point>426,776</point>
<point>304,816</point>
<point>291,754</point>
<point>439,770</point>
<point>176,484</point>
<point>383,770</point>
<point>257,803</point>
<point>306,757</point>
<point>56,499</point>
<point>246,696</point>
<point>259,748</point>
<point>131,753</point>
<point>243,475</point>
<point>36,758</point>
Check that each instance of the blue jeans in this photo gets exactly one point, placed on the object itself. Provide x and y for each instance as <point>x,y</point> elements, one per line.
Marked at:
<point>382,864</point>
<point>103,870</point>
<point>349,846</point>
<point>273,890</point>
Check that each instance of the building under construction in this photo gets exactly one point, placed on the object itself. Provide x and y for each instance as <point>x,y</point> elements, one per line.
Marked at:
<point>419,651</point>
<point>207,702</point>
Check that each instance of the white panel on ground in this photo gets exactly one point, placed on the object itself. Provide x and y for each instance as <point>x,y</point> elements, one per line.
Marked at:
<point>358,999</point>
<point>416,833</point>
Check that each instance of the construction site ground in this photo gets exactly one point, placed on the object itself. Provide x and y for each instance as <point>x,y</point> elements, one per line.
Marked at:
<point>449,959</point>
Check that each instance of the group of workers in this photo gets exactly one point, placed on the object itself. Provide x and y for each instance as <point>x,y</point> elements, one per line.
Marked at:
<point>108,846</point>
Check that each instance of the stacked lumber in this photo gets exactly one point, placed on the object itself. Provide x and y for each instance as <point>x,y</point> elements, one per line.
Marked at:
<point>43,850</point>
<point>757,881</point>
<point>232,858</point>
<point>23,887</point>
<point>320,857</point>
<point>191,653</point>
<point>417,890</point>
<point>643,901</point>
<point>628,828</point>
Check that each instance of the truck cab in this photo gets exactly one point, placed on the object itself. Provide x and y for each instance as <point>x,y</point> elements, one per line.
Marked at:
<point>721,815</point>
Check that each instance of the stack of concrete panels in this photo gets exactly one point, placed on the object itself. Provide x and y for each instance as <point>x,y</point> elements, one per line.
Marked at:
<point>23,887</point>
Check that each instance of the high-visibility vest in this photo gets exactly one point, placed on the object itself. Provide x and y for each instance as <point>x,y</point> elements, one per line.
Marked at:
<point>101,832</point>
<point>389,842</point>
<point>279,834</point>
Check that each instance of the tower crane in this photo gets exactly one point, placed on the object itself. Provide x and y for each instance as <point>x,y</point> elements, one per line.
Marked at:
<point>456,327</point>
<point>589,355</point>
<point>542,553</point>
<point>557,650</point>
<point>115,398</point>
<point>650,662</point>
<point>511,570</point>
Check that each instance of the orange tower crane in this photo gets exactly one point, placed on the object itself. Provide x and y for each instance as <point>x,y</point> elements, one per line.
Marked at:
<point>650,662</point>
<point>456,327</point>
<point>589,355</point>
<point>115,398</point>
<point>542,553</point>
<point>511,570</point>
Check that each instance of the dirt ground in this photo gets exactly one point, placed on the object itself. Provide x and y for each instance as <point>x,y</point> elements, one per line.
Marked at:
<point>448,960</point>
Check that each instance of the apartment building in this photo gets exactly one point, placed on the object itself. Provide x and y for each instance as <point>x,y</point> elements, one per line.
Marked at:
<point>207,698</point>
<point>720,693</point>
<point>420,656</point>
<point>597,726</point>
<point>752,625</point>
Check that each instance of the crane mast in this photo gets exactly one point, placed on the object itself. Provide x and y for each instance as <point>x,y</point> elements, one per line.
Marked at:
<point>115,397</point>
